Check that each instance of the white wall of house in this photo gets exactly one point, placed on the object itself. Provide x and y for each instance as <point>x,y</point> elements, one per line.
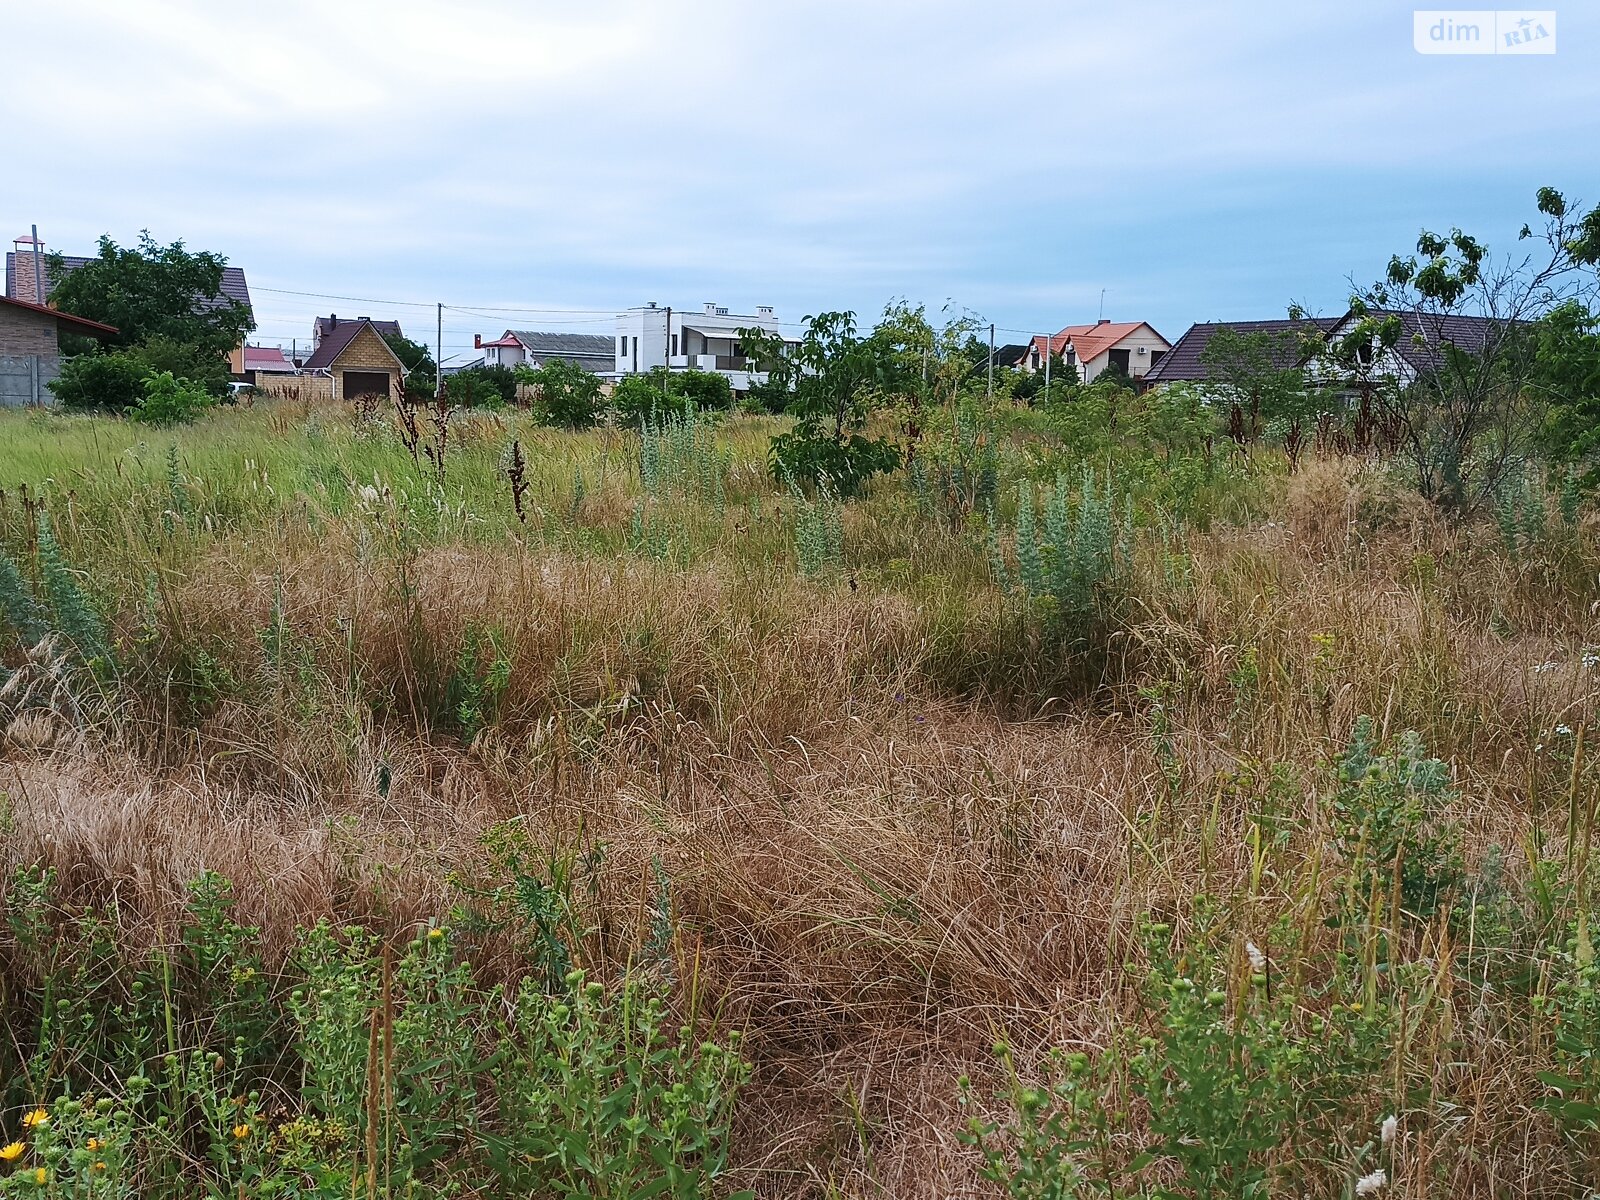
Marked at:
<point>703,339</point>
<point>1388,365</point>
<point>504,356</point>
<point>1143,346</point>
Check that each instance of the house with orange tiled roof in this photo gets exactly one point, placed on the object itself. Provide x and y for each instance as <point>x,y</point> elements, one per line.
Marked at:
<point>1087,350</point>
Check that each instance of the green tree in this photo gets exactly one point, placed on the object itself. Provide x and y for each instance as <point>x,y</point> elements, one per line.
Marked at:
<point>1567,373</point>
<point>1260,374</point>
<point>421,374</point>
<point>835,380</point>
<point>662,393</point>
<point>1466,414</point>
<point>154,291</point>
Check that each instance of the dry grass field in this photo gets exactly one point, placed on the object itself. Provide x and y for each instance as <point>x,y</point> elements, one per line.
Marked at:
<point>1131,885</point>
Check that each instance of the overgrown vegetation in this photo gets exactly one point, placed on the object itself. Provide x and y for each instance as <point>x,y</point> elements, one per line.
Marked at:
<point>1094,803</point>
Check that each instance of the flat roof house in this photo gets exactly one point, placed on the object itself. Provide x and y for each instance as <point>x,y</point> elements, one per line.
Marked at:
<point>357,360</point>
<point>706,339</point>
<point>30,351</point>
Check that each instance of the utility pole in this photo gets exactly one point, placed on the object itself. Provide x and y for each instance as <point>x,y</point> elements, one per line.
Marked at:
<point>38,269</point>
<point>1047,357</point>
<point>991,360</point>
<point>438,354</point>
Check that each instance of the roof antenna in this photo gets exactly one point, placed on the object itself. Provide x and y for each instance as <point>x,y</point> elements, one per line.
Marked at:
<point>1102,315</point>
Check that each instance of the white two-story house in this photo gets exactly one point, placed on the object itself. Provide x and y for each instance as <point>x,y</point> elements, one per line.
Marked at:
<point>705,339</point>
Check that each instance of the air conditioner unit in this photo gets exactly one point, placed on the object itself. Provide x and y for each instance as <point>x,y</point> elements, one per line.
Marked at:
<point>1143,351</point>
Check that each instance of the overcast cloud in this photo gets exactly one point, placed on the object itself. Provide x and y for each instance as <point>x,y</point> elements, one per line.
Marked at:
<point>1014,158</point>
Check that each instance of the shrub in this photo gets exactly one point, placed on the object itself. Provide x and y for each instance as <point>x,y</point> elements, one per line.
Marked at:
<point>169,401</point>
<point>568,394</point>
<point>112,381</point>
<point>493,386</point>
<point>659,394</point>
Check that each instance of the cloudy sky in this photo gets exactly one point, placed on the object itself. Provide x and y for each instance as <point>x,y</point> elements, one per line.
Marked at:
<point>539,164</point>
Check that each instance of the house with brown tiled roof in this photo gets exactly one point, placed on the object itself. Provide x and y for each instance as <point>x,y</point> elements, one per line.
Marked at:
<point>354,356</point>
<point>1088,350</point>
<point>320,326</point>
<point>1290,340</point>
<point>31,278</point>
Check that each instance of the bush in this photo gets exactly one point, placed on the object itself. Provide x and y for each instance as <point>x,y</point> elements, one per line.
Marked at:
<point>660,393</point>
<point>809,456</point>
<point>198,364</point>
<point>169,401</point>
<point>112,381</point>
<point>482,387</point>
<point>568,394</point>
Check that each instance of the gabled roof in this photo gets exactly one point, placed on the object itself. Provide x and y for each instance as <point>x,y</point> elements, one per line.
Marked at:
<point>338,338</point>
<point>566,345</point>
<point>232,287</point>
<point>77,324</point>
<point>1048,347</point>
<point>1008,356</point>
<point>321,326</point>
<point>1090,341</point>
<point>1184,363</point>
<point>1435,330</point>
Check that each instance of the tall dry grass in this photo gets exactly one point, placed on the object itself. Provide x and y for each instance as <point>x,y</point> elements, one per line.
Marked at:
<point>878,863</point>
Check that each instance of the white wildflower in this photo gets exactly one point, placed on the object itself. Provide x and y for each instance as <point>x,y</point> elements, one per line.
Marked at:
<point>1390,1125</point>
<point>1541,668</point>
<point>1368,1184</point>
<point>1564,730</point>
<point>369,494</point>
<point>1591,659</point>
<point>1258,960</point>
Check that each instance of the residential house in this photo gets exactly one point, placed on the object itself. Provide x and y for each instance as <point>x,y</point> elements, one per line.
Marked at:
<point>29,278</point>
<point>1419,350</point>
<point>263,361</point>
<point>30,353</point>
<point>707,339</point>
<point>356,360</point>
<point>1087,350</point>
<point>1185,362</point>
<point>526,347</point>
<point>1009,356</point>
<point>320,326</point>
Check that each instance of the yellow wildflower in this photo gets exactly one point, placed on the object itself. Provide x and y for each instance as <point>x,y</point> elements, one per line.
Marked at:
<point>435,934</point>
<point>99,1165</point>
<point>41,1176</point>
<point>37,1117</point>
<point>12,1152</point>
<point>240,1132</point>
<point>95,1144</point>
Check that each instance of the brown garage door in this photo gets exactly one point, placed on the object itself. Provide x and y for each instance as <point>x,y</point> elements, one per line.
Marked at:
<point>365,383</point>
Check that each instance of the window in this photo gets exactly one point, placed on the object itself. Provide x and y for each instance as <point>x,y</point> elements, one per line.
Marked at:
<point>674,345</point>
<point>1119,361</point>
<point>1156,356</point>
<point>622,347</point>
